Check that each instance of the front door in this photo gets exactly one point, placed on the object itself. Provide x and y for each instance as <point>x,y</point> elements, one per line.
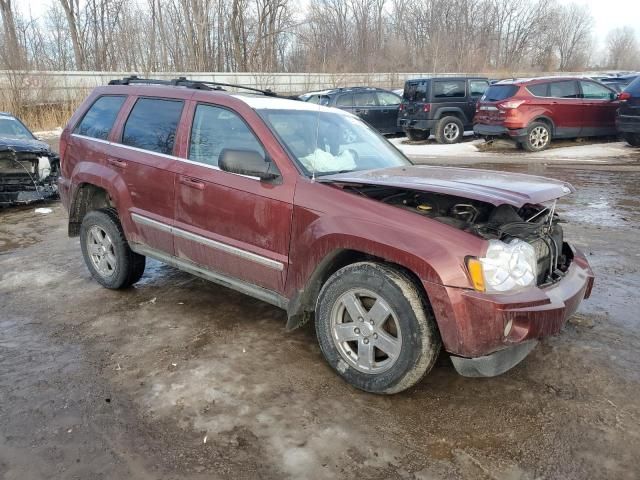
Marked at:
<point>235,225</point>
<point>366,107</point>
<point>600,106</point>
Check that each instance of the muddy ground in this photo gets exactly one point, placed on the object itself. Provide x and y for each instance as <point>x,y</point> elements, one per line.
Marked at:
<point>180,378</point>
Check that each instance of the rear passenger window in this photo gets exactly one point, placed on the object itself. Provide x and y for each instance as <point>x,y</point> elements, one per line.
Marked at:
<point>564,89</point>
<point>152,124</point>
<point>345,100</point>
<point>539,90</point>
<point>448,89</point>
<point>99,119</point>
<point>216,128</point>
<point>386,98</point>
<point>365,99</point>
<point>477,87</point>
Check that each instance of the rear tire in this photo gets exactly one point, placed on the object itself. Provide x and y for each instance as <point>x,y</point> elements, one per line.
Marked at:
<point>538,137</point>
<point>449,130</point>
<point>417,135</point>
<point>106,252</point>
<point>632,139</point>
<point>374,328</point>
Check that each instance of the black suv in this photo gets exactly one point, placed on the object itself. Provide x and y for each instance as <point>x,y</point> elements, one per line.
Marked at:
<point>443,106</point>
<point>377,107</point>
<point>628,117</point>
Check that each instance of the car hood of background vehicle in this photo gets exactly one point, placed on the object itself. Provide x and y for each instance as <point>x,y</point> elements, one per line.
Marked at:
<point>24,145</point>
<point>485,185</point>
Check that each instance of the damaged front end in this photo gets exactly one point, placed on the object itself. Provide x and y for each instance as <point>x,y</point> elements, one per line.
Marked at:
<point>28,174</point>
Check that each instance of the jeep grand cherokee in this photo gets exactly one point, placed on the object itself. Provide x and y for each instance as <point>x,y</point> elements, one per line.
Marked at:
<point>308,208</point>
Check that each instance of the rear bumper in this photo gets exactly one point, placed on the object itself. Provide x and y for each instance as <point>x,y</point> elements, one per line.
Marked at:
<point>416,124</point>
<point>476,325</point>
<point>499,131</point>
<point>628,124</point>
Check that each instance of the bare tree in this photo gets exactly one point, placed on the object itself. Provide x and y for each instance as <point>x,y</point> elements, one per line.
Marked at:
<point>622,48</point>
<point>572,27</point>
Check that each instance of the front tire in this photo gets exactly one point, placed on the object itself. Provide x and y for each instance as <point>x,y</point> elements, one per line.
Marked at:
<point>106,252</point>
<point>417,135</point>
<point>538,137</point>
<point>450,130</point>
<point>632,139</point>
<point>374,328</point>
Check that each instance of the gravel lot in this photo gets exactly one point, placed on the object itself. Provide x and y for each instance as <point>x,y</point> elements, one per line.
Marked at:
<point>180,378</point>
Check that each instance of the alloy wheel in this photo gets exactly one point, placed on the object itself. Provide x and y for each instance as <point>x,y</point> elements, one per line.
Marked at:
<point>366,331</point>
<point>539,137</point>
<point>101,251</point>
<point>451,131</point>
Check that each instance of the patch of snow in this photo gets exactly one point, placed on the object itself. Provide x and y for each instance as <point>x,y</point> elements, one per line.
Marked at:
<point>43,210</point>
<point>56,132</point>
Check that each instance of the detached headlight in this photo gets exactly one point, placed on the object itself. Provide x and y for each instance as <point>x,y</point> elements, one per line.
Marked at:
<point>506,267</point>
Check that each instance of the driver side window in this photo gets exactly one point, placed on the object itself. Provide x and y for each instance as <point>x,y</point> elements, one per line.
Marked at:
<point>216,128</point>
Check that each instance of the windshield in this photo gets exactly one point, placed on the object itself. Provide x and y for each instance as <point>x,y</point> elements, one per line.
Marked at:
<point>10,127</point>
<point>325,142</point>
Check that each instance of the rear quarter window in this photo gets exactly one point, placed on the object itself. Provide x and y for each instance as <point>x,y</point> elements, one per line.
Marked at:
<point>100,117</point>
<point>496,93</point>
<point>539,90</point>
<point>448,89</point>
<point>152,124</point>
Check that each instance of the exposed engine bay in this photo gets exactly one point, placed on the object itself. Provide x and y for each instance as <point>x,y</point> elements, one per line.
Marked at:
<point>27,176</point>
<point>538,225</point>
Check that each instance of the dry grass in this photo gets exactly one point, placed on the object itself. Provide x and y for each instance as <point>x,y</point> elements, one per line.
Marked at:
<point>44,116</point>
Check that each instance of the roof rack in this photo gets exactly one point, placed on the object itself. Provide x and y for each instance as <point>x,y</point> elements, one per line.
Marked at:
<point>185,82</point>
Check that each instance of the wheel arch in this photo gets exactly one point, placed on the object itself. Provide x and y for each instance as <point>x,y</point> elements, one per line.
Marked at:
<point>545,119</point>
<point>452,112</point>
<point>86,198</point>
<point>302,306</point>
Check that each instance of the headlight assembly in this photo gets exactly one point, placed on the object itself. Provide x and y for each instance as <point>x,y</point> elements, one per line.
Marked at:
<point>507,267</point>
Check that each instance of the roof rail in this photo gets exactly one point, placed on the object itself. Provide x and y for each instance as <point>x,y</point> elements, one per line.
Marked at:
<point>185,82</point>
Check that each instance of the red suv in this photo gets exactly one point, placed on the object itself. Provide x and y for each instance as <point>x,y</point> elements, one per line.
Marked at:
<point>533,111</point>
<point>310,209</point>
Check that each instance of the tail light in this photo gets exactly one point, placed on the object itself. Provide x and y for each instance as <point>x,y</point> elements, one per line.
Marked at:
<point>510,104</point>
<point>624,96</point>
<point>426,107</point>
<point>401,107</point>
<point>62,146</point>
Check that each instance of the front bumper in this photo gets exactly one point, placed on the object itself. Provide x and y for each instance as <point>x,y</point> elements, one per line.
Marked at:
<point>474,325</point>
<point>484,130</point>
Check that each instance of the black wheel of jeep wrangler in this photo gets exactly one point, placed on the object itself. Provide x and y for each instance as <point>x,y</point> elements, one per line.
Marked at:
<point>416,135</point>
<point>538,137</point>
<point>374,328</point>
<point>106,251</point>
<point>449,130</point>
<point>632,139</point>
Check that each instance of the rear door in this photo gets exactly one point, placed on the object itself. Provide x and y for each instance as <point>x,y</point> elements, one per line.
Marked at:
<point>232,224</point>
<point>142,155</point>
<point>476,89</point>
<point>388,105</point>
<point>566,107</point>
<point>366,107</point>
<point>600,106</point>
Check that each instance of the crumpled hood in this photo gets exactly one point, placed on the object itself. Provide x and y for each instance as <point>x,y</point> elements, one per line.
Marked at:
<point>24,145</point>
<point>488,186</point>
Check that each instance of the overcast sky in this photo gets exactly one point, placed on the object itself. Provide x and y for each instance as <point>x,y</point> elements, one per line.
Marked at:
<point>607,14</point>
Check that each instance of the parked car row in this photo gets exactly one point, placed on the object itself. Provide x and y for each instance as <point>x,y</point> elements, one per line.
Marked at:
<point>530,111</point>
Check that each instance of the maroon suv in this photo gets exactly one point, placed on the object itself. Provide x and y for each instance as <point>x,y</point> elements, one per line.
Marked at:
<point>533,111</point>
<point>310,209</point>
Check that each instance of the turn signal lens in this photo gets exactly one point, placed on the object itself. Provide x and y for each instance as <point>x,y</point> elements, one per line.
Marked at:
<point>623,96</point>
<point>475,272</point>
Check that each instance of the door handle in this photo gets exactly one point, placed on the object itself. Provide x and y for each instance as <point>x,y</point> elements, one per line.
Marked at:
<point>116,162</point>
<point>384,110</point>
<point>358,110</point>
<point>192,183</point>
